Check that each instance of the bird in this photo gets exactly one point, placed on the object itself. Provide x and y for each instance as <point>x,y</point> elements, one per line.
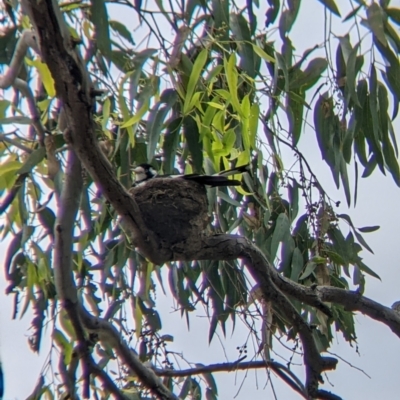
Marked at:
<point>145,172</point>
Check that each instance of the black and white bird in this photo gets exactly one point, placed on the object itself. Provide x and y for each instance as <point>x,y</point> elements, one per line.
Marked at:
<point>145,172</point>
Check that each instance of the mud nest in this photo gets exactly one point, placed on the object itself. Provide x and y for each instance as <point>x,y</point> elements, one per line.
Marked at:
<point>175,211</point>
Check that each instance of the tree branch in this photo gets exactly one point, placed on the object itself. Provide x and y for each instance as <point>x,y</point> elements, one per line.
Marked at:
<point>355,301</point>
<point>26,41</point>
<point>72,87</point>
<point>283,372</point>
<point>16,143</point>
<point>64,280</point>
<point>226,247</point>
<point>109,334</point>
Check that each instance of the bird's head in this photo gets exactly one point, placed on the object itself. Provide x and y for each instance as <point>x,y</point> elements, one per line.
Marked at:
<point>144,172</point>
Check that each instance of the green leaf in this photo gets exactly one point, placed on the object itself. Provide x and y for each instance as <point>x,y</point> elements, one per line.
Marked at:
<point>138,116</point>
<point>351,74</point>
<point>45,76</point>
<point>394,14</point>
<point>8,40</point>
<point>352,13</point>
<point>170,144</point>
<point>155,122</point>
<point>369,167</point>
<point>47,218</point>
<point>241,32</point>
<point>197,70</point>
<point>210,380</point>
<point>375,17</point>
<point>232,79</point>
<point>345,180</point>
<point>210,395</point>
<point>362,241</point>
<point>213,327</point>
<point>281,230</point>
<point>310,267</point>
<point>12,249</point>
<point>296,265</point>
<point>311,74</point>
<point>295,111</point>
<point>272,12</point>
<point>122,30</point>
<point>367,229</point>
<point>34,159</point>
<point>192,136</point>
<point>288,17</point>
<point>99,17</point>
<point>17,119</point>
<point>367,270</point>
<point>331,6</point>
<point>294,199</point>
<point>220,13</point>
<point>261,53</point>
<point>138,315</point>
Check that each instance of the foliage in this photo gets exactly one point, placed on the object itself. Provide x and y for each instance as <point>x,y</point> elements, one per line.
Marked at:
<point>195,89</point>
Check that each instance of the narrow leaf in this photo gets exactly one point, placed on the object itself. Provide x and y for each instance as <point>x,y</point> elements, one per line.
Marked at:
<point>367,229</point>
<point>375,21</point>
<point>34,159</point>
<point>331,6</point>
<point>197,69</point>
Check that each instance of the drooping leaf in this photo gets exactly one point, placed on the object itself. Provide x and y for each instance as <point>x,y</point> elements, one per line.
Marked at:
<point>156,120</point>
<point>241,32</point>
<point>272,12</point>
<point>310,267</point>
<point>375,21</point>
<point>45,76</point>
<point>220,13</point>
<point>8,40</point>
<point>191,133</point>
<point>296,265</point>
<point>394,14</point>
<point>288,17</point>
<point>331,6</point>
<point>122,30</point>
<point>281,230</point>
<point>310,75</point>
<point>352,13</point>
<point>99,17</point>
<point>194,79</point>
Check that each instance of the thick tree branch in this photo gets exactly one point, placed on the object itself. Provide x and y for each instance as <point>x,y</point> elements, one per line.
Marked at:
<point>108,333</point>
<point>73,89</point>
<point>354,301</point>
<point>224,247</point>
<point>283,372</point>
<point>24,88</point>
<point>228,247</point>
<point>26,41</point>
<point>67,211</point>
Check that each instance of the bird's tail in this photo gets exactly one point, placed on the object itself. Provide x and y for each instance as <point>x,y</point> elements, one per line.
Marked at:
<point>213,180</point>
<point>234,171</point>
